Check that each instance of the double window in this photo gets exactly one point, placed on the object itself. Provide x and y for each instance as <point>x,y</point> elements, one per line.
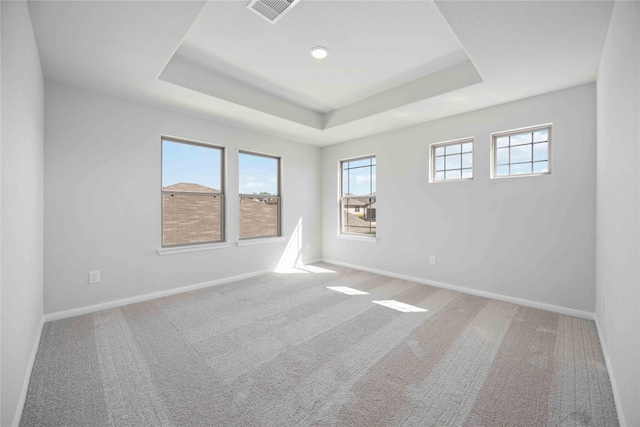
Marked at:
<point>452,160</point>
<point>260,202</point>
<point>358,196</point>
<point>521,152</point>
<point>192,193</point>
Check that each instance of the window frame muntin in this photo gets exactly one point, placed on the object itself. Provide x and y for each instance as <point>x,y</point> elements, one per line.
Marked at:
<point>341,197</point>
<point>432,159</point>
<point>222,193</point>
<point>259,196</point>
<point>524,130</point>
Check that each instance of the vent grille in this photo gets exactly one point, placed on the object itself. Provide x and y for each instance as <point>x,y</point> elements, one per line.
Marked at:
<point>271,10</point>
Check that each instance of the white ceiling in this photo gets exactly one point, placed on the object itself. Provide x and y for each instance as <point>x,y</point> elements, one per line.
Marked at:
<point>392,63</point>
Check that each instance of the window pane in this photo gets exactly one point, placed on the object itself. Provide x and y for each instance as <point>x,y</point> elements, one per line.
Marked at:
<point>191,164</point>
<point>439,151</point>
<point>439,163</point>
<point>467,160</point>
<point>453,174</point>
<point>541,135</point>
<point>540,167</point>
<point>258,216</point>
<point>361,181</point>
<point>541,151</point>
<point>520,168</point>
<point>520,153</point>
<point>502,170</point>
<point>523,138</point>
<point>259,213</point>
<point>362,220</point>
<point>467,173</point>
<point>453,161</point>
<point>467,147</point>
<point>502,142</point>
<point>258,174</point>
<point>373,180</point>
<point>191,218</point>
<point>502,156</point>
<point>359,163</point>
<point>453,149</point>
<point>192,201</point>
<point>439,176</point>
<point>345,182</point>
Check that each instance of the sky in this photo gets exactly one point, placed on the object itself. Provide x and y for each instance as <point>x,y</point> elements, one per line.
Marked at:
<point>359,177</point>
<point>188,163</point>
<point>202,165</point>
<point>258,174</point>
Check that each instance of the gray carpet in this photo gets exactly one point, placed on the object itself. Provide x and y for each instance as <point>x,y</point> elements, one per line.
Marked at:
<point>282,349</point>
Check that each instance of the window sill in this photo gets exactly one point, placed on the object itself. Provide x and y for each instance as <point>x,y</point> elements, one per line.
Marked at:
<point>260,240</point>
<point>194,248</point>
<point>372,239</point>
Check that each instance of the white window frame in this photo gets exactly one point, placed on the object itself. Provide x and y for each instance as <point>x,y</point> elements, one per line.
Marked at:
<point>205,243</point>
<point>432,160</point>
<point>245,240</point>
<point>341,233</point>
<point>516,132</point>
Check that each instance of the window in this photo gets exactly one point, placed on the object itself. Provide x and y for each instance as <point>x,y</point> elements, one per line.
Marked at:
<point>192,193</point>
<point>260,202</point>
<point>358,196</point>
<point>521,152</point>
<point>452,160</point>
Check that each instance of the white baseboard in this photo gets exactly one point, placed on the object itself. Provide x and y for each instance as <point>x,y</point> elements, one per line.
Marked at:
<point>146,297</point>
<point>27,377</point>
<point>505,298</point>
<point>612,378</point>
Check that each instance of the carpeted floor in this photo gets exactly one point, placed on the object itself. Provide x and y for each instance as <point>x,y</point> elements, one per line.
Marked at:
<point>283,350</point>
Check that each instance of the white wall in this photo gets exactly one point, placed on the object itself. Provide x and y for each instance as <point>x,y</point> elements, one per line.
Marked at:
<point>21,215</point>
<point>103,205</point>
<point>618,206</point>
<point>531,238</point>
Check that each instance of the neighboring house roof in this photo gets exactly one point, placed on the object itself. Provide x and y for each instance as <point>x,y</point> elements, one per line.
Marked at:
<point>190,187</point>
<point>354,202</point>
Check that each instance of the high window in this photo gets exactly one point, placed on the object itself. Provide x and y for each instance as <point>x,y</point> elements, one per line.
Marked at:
<point>452,161</point>
<point>192,193</point>
<point>260,201</point>
<point>358,196</point>
<point>521,152</point>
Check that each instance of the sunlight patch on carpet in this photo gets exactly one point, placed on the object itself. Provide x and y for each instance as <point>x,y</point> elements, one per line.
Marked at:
<point>400,306</point>
<point>347,290</point>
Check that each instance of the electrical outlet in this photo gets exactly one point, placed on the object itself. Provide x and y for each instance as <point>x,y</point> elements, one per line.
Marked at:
<point>94,277</point>
<point>432,260</point>
<point>308,246</point>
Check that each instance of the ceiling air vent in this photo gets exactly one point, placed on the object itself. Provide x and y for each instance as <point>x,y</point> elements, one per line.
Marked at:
<point>272,10</point>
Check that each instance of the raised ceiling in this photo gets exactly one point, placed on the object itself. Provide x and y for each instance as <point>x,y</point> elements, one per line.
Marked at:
<point>391,64</point>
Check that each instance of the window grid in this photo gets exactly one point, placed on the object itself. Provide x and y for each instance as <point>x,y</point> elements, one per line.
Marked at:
<point>524,152</point>
<point>452,161</point>
<point>358,212</point>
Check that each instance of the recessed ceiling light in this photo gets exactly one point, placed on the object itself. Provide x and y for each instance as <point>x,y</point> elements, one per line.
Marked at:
<point>319,52</point>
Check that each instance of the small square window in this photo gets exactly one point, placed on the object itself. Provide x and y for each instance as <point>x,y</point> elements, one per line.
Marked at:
<point>522,152</point>
<point>452,161</point>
